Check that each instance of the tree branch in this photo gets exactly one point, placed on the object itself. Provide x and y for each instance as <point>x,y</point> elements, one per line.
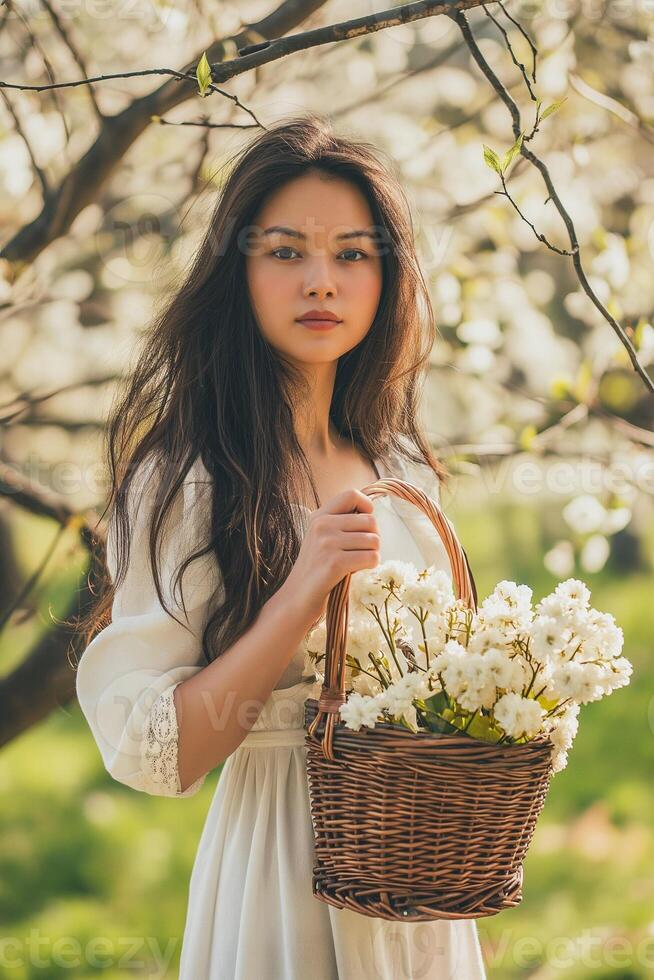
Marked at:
<point>81,185</point>
<point>45,679</point>
<point>460,18</point>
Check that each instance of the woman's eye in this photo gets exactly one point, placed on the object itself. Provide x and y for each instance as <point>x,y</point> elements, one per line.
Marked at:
<point>287,248</point>
<point>356,251</point>
<point>282,248</point>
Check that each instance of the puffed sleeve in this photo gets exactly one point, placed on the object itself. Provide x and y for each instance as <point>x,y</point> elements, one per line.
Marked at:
<point>128,672</point>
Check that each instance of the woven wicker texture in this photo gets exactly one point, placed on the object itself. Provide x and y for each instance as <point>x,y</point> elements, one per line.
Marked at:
<point>416,826</point>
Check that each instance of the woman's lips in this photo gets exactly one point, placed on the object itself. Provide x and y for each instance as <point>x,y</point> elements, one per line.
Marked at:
<point>319,324</point>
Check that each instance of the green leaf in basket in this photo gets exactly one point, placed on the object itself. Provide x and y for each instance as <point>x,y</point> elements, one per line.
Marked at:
<point>436,702</point>
<point>436,723</point>
<point>481,727</point>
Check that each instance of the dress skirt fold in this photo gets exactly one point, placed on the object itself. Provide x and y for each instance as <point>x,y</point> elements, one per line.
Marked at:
<point>252,914</point>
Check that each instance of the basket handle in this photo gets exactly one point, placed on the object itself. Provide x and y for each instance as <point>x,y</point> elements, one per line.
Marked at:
<point>333,695</point>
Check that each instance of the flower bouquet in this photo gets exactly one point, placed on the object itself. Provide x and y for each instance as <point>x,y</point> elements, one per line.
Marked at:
<point>435,727</point>
<point>418,656</point>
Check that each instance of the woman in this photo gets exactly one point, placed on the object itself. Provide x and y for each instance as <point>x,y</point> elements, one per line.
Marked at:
<point>280,380</point>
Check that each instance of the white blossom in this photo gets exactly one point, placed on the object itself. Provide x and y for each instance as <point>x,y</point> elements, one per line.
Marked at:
<point>545,635</point>
<point>508,607</point>
<point>486,637</point>
<point>363,637</point>
<point>499,666</point>
<point>579,681</point>
<point>393,575</point>
<point>573,594</point>
<point>366,589</point>
<point>519,716</point>
<point>359,711</point>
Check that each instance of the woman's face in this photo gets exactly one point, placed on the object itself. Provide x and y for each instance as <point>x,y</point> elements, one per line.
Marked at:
<point>308,267</point>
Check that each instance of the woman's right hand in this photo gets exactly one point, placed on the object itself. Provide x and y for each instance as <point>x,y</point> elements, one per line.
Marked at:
<point>336,543</point>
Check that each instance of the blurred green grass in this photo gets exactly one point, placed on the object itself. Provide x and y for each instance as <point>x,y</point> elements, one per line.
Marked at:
<point>94,876</point>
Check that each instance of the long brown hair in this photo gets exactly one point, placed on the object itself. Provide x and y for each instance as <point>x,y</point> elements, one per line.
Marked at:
<point>207,384</point>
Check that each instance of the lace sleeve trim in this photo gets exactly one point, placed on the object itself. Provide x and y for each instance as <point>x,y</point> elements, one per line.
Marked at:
<point>159,749</point>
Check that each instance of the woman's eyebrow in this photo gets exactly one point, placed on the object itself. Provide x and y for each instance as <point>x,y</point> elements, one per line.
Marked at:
<point>292,233</point>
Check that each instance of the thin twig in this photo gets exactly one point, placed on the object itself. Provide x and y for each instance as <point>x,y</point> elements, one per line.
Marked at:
<point>519,65</point>
<point>539,235</point>
<point>74,51</point>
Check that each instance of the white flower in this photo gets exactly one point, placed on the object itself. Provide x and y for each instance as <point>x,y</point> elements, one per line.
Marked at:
<point>561,731</point>
<point>366,589</point>
<point>478,694</point>
<point>401,693</point>
<point>623,669</point>
<point>429,594</point>
<point>573,593</point>
<point>358,711</point>
<point>398,697</point>
<point>607,639</point>
<point>579,681</point>
<point>552,607</point>
<point>364,637</point>
<point>315,640</point>
<point>564,728</point>
<point>519,716</point>
<point>499,667</point>
<point>363,683</point>
<point>546,638</point>
<point>485,638</point>
<point>507,608</point>
<point>451,664</point>
<point>394,574</point>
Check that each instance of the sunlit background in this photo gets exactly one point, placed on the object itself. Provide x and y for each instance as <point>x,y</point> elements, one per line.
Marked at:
<point>531,400</point>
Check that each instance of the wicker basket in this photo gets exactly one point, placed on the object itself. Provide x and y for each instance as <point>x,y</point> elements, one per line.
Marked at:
<point>416,826</point>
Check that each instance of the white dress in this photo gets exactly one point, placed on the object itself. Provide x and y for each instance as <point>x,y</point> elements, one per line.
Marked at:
<point>251,913</point>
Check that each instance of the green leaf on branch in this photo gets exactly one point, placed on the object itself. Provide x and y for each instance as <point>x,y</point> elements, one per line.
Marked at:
<point>203,74</point>
<point>512,153</point>
<point>553,107</point>
<point>492,159</point>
